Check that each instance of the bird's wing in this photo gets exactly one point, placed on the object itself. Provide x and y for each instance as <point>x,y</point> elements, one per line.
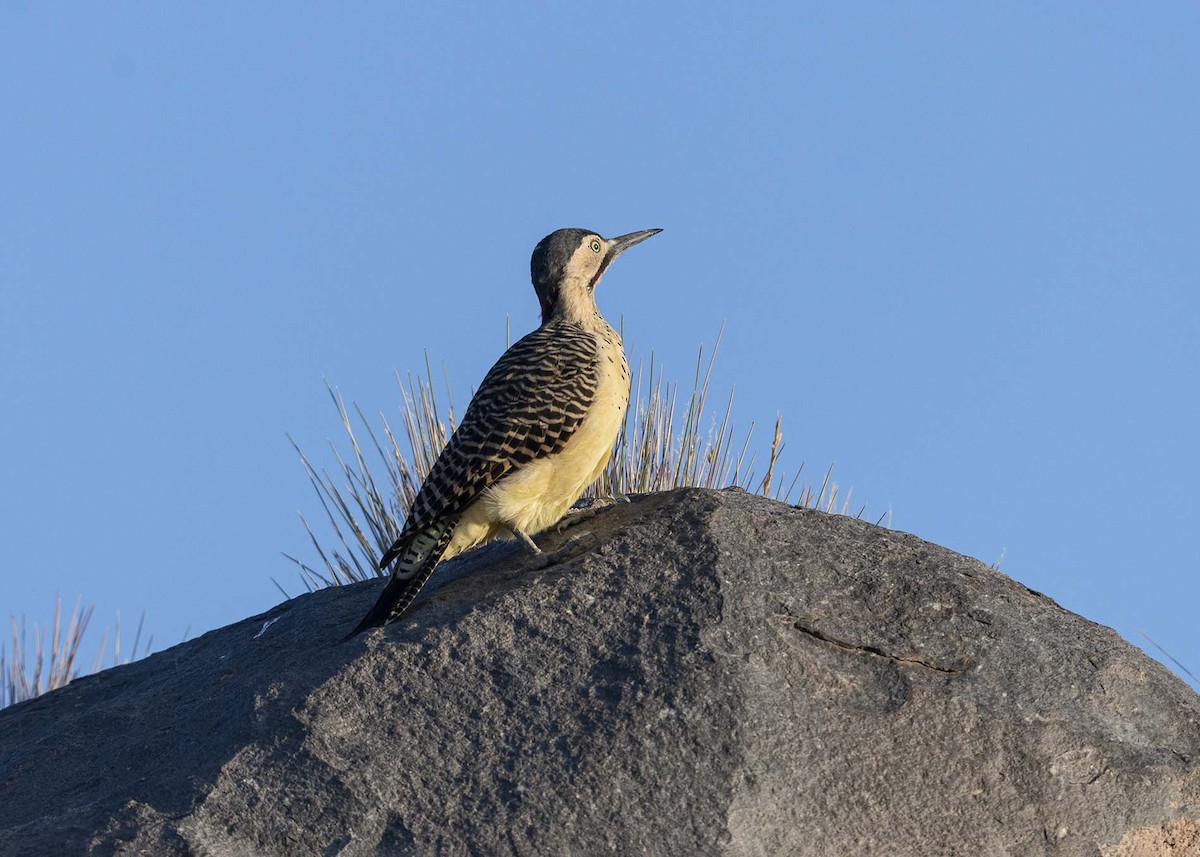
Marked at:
<point>528,406</point>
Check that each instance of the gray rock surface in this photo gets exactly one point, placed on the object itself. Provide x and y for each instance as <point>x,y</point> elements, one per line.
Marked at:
<point>714,674</point>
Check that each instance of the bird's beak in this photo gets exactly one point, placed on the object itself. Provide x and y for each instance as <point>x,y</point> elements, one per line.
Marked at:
<point>618,245</point>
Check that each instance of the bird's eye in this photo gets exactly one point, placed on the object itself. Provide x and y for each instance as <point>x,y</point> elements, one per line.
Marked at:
<point>595,246</point>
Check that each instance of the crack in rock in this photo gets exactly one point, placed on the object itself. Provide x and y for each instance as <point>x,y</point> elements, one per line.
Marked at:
<point>798,625</point>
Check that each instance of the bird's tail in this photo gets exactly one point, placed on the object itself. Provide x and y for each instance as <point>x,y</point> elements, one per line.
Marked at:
<point>416,558</point>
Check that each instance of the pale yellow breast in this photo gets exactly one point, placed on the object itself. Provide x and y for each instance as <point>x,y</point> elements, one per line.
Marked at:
<point>537,495</point>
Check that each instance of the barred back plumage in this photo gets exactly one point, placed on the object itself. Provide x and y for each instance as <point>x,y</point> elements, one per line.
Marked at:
<point>528,406</point>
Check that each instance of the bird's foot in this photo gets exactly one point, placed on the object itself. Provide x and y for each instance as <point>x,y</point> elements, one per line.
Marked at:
<point>541,558</point>
<point>544,559</point>
<point>578,516</point>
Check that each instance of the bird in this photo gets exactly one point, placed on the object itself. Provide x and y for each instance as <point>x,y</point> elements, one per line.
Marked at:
<point>538,431</point>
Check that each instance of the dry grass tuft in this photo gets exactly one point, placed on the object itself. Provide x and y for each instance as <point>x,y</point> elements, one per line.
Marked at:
<point>659,448</point>
<point>31,669</point>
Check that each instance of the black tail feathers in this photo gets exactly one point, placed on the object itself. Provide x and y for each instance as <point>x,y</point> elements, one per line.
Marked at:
<point>393,601</point>
<point>419,558</point>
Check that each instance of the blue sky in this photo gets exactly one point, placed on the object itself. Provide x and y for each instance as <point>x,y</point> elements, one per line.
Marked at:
<point>954,245</point>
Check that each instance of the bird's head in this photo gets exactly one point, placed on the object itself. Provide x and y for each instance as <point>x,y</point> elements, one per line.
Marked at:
<point>567,265</point>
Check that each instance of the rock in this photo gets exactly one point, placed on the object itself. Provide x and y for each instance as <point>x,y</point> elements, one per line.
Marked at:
<point>715,674</point>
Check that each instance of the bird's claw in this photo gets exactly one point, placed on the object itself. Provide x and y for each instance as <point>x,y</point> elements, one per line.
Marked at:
<point>578,516</point>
